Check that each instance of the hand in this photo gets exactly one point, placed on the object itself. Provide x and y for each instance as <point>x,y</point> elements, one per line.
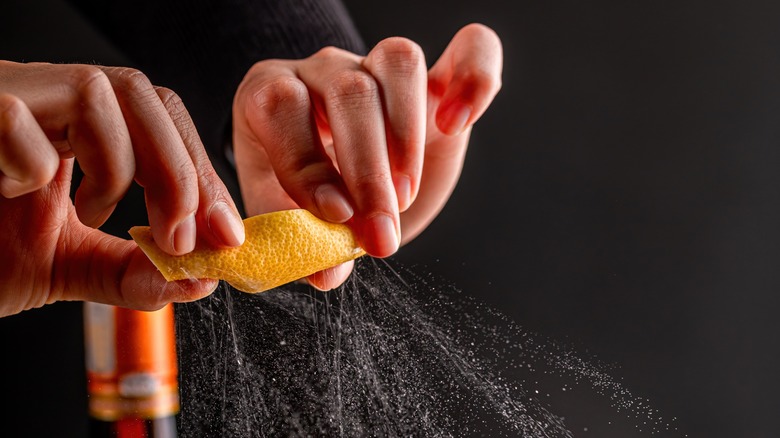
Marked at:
<point>120,128</point>
<point>377,142</point>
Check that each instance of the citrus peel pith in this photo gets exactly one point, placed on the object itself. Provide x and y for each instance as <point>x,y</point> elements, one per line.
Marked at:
<point>280,247</point>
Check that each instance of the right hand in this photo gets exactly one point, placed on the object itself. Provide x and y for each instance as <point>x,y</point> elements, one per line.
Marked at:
<point>120,128</point>
<point>377,141</point>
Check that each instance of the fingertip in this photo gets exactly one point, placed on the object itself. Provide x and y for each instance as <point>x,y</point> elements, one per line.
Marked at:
<point>127,277</point>
<point>403,191</point>
<point>41,171</point>
<point>142,284</point>
<point>91,214</point>
<point>380,236</point>
<point>330,278</point>
<point>11,188</point>
<point>452,118</point>
<point>187,291</point>
<point>479,30</point>
<point>28,161</point>
<point>213,288</point>
<point>98,196</point>
<point>332,204</point>
<point>226,225</point>
<point>144,287</point>
<point>184,236</point>
<point>467,77</point>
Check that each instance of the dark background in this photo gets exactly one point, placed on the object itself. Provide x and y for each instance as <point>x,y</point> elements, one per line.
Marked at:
<point>621,194</point>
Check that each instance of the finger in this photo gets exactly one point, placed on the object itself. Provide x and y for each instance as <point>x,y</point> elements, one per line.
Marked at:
<point>353,108</point>
<point>76,108</point>
<point>280,122</point>
<point>444,159</point>
<point>331,278</point>
<point>106,269</point>
<point>99,138</point>
<point>217,212</point>
<point>461,85</point>
<point>28,161</point>
<point>466,77</point>
<point>260,189</point>
<point>164,167</point>
<point>398,65</point>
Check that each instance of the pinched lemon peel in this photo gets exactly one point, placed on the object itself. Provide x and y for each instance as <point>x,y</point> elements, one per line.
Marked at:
<point>280,247</point>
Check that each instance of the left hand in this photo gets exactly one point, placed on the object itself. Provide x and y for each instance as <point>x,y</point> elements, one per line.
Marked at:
<point>377,142</point>
<point>120,128</point>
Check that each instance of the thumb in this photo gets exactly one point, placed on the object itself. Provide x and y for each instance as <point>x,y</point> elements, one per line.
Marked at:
<point>106,269</point>
<point>466,77</point>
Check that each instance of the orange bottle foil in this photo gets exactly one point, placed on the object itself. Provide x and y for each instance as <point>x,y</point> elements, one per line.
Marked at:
<point>131,363</point>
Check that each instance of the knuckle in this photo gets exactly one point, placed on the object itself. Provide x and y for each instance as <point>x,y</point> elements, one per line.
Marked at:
<point>260,66</point>
<point>11,108</point>
<point>170,99</point>
<point>212,182</point>
<point>399,54</point>
<point>352,85</point>
<point>408,138</point>
<point>329,52</point>
<point>280,94</point>
<point>369,181</point>
<point>184,175</point>
<point>174,106</point>
<point>176,194</point>
<point>179,114</point>
<point>89,80</point>
<point>132,80</point>
<point>174,180</point>
<point>257,71</point>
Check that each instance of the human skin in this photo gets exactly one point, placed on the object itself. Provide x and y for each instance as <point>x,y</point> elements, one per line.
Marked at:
<point>120,128</point>
<point>377,142</point>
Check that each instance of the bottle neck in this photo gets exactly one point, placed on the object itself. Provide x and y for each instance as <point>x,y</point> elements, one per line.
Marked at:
<point>131,372</point>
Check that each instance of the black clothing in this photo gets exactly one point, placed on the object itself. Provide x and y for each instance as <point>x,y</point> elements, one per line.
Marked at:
<point>202,49</point>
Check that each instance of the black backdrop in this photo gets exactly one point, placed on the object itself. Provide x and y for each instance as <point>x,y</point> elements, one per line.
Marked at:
<point>621,193</point>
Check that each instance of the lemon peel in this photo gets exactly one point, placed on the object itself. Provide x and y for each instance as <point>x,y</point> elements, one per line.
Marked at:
<point>280,247</point>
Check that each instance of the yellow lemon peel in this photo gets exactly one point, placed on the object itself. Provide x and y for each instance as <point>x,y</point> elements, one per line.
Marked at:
<point>280,247</point>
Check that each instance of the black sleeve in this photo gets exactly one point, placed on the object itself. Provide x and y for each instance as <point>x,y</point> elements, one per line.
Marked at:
<point>202,49</point>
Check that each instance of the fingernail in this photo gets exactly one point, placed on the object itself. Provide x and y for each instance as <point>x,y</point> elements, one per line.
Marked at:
<point>454,118</point>
<point>184,236</point>
<point>403,190</point>
<point>226,225</point>
<point>383,230</point>
<point>332,204</point>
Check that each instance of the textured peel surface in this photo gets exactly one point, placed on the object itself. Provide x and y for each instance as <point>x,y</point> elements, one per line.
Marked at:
<point>280,247</point>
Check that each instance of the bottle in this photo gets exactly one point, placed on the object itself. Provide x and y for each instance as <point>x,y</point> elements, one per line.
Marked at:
<point>132,372</point>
